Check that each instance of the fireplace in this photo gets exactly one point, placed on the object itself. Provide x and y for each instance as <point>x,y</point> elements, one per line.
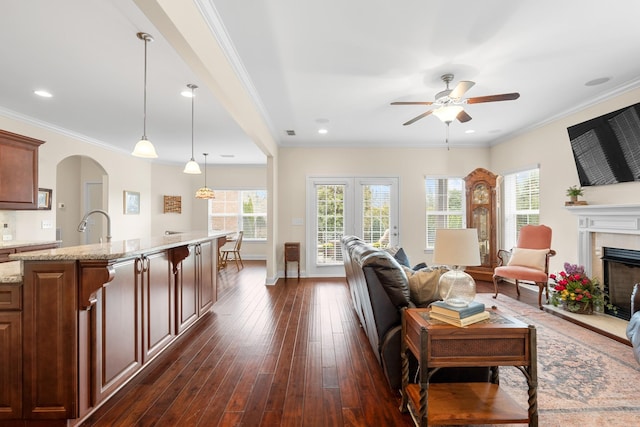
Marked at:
<point>621,271</point>
<point>609,249</point>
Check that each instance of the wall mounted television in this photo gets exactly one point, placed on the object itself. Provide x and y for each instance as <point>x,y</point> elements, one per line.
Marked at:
<point>606,149</point>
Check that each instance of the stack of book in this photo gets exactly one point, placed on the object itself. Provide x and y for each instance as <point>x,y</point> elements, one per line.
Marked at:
<point>458,316</point>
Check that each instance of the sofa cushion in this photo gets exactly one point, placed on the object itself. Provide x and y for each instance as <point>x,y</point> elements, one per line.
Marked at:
<point>423,284</point>
<point>391,276</point>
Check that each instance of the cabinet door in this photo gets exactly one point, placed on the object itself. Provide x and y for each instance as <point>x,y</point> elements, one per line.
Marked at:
<point>10,364</point>
<point>18,171</point>
<point>116,323</point>
<point>157,304</point>
<point>50,346</point>
<point>186,291</point>
<point>206,283</point>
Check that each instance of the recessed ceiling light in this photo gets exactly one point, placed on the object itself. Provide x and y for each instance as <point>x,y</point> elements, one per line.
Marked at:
<point>598,81</point>
<point>469,131</point>
<point>43,93</point>
<point>322,131</point>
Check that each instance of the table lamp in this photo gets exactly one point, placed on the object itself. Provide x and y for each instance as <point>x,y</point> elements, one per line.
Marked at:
<point>457,248</point>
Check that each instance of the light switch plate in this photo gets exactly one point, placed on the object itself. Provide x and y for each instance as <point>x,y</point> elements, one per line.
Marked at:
<point>47,223</point>
<point>6,237</point>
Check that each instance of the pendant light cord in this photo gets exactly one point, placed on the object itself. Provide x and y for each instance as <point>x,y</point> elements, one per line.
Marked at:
<point>144,115</point>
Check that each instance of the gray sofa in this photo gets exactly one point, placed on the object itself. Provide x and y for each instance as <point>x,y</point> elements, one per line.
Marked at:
<point>633,329</point>
<point>379,290</point>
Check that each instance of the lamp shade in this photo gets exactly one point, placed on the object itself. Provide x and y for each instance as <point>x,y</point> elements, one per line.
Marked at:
<point>457,247</point>
<point>448,113</point>
<point>145,149</point>
<point>192,167</point>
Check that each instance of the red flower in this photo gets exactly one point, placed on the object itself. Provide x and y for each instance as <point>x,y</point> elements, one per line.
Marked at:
<point>585,281</point>
<point>552,276</point>
<point>563,274</point>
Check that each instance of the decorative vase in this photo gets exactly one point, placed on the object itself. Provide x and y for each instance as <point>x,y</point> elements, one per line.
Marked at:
<point>573,199</point>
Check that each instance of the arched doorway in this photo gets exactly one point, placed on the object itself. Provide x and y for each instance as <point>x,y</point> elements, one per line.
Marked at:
<point>82,185</point>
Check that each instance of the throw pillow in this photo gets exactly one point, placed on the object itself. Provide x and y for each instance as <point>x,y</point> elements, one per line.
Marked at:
<point>532,258</point>
<point>399,255</point>
<point>423,284</point>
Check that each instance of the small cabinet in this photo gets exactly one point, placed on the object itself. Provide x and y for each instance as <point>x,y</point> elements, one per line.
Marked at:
<point>10,351</point>
<point>481,197</point>
<point>18,171</point>
<point>158,323</point>
<point>194,268</point>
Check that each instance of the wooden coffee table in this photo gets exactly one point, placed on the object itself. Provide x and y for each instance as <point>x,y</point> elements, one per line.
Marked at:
<point>499,341</point>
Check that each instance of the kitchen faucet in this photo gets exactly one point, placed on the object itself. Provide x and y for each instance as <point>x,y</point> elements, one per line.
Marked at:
<point>83,224</point>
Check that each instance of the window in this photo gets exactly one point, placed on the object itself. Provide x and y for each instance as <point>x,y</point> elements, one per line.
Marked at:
<point>245,210</point>
<point>445,205</point>
<point>521,203</point>
<point>330,222</point>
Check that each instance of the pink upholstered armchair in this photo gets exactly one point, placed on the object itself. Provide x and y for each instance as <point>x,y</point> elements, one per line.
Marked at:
<point>528,261</point>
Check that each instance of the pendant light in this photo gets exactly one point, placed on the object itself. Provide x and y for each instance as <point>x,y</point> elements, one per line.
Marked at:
<point>144,147</point>
<point>192,166</point>
<point>205,192</point>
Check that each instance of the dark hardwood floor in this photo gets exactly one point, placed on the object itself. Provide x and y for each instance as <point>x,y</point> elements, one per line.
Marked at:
<point>286,355</point>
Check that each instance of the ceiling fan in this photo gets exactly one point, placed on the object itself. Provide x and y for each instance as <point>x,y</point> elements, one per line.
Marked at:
<point>448,104</point>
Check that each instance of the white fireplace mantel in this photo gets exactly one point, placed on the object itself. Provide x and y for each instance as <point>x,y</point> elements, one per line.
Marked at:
<point>619,219</point>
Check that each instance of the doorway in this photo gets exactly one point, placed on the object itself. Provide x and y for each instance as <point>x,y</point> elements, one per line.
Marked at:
<point>338,206</point>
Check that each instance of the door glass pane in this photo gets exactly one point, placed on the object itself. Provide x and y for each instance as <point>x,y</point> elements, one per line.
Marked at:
<point>330,220</point>
<point>376,203</point>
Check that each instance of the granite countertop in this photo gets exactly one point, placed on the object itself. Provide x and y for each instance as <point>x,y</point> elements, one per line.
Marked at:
<point>22,243</point>
<point>116,249</point>
<point>11,272</point>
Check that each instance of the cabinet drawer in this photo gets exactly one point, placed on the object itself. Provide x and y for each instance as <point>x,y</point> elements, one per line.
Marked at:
<point>10,297</point>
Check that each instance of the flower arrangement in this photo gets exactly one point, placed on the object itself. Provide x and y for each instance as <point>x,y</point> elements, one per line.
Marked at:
<point>578,293</point>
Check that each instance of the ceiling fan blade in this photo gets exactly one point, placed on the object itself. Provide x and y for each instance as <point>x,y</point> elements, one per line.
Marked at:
<point>493,98</point>
<point>463,117</point>
<point>412,103</point>
<point>460,89</point>
<point>415,119</point>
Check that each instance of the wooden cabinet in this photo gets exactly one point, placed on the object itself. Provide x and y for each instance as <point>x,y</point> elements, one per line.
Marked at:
<point>89,325</point>
<point>481,198</point>
<point>18,171</point>
<point>116,328</point>
<point>49,342</point>
<point>195,283</point>
<point>206,257</point>
<point>10,351</point>
<point>5,252</point>
<point>158,305</point>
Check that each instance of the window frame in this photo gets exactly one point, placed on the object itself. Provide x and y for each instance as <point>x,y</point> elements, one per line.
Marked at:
<point>448,213</point>
<point>510,227</point>
<point>239,218</point>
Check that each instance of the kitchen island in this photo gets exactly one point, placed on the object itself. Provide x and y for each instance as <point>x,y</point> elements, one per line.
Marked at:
<point>86,319</point>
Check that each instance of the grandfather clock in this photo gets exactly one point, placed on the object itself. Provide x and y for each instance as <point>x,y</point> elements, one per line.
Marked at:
<point>480,188</point>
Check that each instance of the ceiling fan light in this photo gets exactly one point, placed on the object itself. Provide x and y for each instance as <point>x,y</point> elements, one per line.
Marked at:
<point>448,113</point>
<point>145,149</point>
<point>192,167</point>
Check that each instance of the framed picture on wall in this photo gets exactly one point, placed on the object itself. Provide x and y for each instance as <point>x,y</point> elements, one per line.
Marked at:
<point>131,202</point>
<point>44,198</point>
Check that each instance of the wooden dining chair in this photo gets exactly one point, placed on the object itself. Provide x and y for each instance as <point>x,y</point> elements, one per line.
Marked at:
<point>233,253</point>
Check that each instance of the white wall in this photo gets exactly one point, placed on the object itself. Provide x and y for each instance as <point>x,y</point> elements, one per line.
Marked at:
<point>549,146</point>
<point>410,165</point>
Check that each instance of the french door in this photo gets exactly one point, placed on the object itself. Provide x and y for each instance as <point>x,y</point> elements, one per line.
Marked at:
<point>337,206</point>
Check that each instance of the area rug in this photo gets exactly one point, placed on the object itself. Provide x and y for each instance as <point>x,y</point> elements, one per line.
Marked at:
<point>584,379</point>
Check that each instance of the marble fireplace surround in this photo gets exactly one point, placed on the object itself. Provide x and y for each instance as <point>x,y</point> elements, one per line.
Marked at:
<point>605,226</point>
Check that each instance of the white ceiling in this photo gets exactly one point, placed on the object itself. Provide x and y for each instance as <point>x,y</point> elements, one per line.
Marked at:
<point>336,64</point>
